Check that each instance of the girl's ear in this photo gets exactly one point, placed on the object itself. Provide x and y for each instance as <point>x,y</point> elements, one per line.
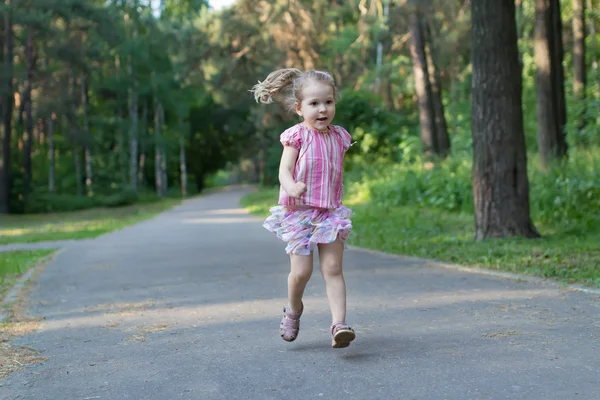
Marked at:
<point>298,108</point>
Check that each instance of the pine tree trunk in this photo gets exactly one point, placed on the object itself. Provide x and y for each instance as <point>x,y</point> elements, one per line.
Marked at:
<point>51,159</point>
<point>594,54</point>
<point>88,138</point>
<point>441,128</point>
<point>158,176</point>
<point>28,133</point>
<point>549,82</point>
<point>77,159</point>
<point>422,85</point>
<point>163,151</point>
<point>579,67</point>
<point>133,117</point>
<point>182,166</point>
<point>499,176</point>
<point>142,156</point>
<point>7,110</point>
<point>379,60</point>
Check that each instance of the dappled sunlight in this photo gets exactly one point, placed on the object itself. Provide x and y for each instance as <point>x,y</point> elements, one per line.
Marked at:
<point>225,211</point>
<point>218,220</point>
<point>151,311</point>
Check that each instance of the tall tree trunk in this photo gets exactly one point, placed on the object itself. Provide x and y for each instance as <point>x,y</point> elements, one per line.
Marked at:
<point>87,152</point>
<point>133,118</point>
<point>143,139</point>
<point>182,160</point>
<point>163,151</point>
<point>77,159</point>
<point>422,85</point>
<point>549,82</point>
<point>520,27</point>
<point>594,54</point>
<point>579,67</point>
<point>28,132</point>
<point>7,109</point>
<point>500,183</point>
<point>441,128</point>
<point>379,60</point>
<point>51,159</point>
<point>158,175</point>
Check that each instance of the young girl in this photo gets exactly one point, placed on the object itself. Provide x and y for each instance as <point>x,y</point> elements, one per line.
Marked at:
<point>310,213</point>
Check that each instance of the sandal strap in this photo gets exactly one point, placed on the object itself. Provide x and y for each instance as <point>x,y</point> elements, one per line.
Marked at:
<point>338,326</point>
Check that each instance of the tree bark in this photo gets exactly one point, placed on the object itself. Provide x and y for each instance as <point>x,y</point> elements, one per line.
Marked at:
<point>594,54</point>
<point>7,110</point>
<point>441,127</point>
<point>87,152</point>
<point>551,110</point>
<point>77,159</point>
<point>142,156</point>
<point>499,174</point>
<point>182,160</point>
<point>133,118</point>
<point>422,85</point>
<point>163,163</point>
<point>51,159</point>
<point>28,133</point>
<point>579,67</point>
<point>158,175</point>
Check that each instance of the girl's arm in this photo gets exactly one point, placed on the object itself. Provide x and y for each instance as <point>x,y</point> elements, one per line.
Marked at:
<point>286,173</point>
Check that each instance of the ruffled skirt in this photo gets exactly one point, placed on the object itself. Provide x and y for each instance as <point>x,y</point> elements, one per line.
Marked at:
<point>303,229</point>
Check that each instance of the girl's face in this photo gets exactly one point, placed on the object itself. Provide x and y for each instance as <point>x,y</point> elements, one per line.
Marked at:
<point>318,105</point>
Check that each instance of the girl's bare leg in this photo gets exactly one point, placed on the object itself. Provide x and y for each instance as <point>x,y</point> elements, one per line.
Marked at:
<point>301,271</point>
<point>330,257</point>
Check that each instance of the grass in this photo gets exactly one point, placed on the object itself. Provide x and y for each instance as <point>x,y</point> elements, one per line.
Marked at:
<point>15,263</point>
<point>568,254</point>
<point>83,224</point>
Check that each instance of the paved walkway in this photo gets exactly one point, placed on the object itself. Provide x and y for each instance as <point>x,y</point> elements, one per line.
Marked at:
<point>187,306</point>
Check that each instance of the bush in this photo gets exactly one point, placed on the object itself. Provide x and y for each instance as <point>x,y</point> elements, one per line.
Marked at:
<point>567,194</point>
<point>125,198</point>
<point>52,202</point>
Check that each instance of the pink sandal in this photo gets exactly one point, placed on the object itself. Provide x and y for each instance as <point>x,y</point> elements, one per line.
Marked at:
<point>341,335</point>
<point>290,324</point>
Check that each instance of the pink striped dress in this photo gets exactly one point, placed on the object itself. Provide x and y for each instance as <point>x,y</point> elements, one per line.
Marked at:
<point>318,216</point>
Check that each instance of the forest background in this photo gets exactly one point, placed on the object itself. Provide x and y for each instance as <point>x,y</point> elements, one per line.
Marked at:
<point>114,107</point>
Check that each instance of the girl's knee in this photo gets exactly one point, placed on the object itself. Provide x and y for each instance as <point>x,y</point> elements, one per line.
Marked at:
<point>300,275</point>
<point>331,269</point>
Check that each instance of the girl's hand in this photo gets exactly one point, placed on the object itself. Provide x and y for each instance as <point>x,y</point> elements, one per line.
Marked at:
<point>297,190</point>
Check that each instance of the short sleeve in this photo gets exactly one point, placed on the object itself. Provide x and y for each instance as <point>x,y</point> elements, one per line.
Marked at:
<point>346,138</point>
<point>291,137</point>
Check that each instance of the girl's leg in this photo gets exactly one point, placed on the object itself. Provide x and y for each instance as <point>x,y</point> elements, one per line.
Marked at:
<point>330,257</point>
<point>300,273</point>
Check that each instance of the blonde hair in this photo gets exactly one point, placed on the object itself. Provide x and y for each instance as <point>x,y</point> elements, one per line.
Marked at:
<point>289,83</point>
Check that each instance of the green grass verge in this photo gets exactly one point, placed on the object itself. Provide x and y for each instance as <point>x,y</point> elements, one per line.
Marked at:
<point>77,224</point>
<point>568,254</point>
<point>15,263</point>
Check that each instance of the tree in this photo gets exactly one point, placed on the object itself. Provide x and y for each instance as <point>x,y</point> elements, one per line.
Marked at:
<point>429,140</point>
<point>434,131</point>
<point>499,172</point>
<point>6,96</point>
<point>579,67</point>
<point>551,109</point>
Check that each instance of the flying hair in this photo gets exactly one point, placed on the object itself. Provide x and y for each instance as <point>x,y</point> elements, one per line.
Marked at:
<point>286,85</point>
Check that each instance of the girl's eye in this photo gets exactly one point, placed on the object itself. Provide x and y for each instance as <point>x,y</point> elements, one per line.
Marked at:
<point>314,103</point>
<point>329,101</point>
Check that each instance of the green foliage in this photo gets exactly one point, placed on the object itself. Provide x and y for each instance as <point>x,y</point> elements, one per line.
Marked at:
<point>426,210</point>
<point>376,130</point>
<point>568,194</point>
